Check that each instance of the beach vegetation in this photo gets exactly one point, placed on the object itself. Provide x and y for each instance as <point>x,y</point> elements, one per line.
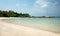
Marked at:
<point>11,13</point>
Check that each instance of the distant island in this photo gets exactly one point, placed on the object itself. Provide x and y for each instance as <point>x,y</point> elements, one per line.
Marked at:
<point>11,13</point>
<point>43,16</point>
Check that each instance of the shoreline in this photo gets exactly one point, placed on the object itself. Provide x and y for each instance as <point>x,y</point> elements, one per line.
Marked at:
<point>9,29</point>
<point>33,27</point>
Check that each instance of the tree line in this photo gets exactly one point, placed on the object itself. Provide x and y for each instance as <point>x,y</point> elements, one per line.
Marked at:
<point>11,13</point>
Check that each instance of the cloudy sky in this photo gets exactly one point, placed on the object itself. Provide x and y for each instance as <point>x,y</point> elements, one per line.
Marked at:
<point>33,7</point>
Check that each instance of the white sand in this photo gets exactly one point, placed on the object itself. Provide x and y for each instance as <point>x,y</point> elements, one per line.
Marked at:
<point>9,29</point>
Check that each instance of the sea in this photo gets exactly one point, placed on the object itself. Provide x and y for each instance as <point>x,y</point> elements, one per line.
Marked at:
<point>48,24</point>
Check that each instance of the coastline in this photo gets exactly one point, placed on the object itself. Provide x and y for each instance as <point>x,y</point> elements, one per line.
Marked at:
<point>5,20</point>
<point>9,29</point>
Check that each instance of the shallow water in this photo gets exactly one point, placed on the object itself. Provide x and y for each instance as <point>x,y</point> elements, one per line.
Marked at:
<point>50,24</point>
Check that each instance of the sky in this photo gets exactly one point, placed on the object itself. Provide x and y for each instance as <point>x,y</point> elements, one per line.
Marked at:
<point>33,7</point>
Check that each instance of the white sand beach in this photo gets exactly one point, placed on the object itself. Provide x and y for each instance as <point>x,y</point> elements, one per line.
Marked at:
<point>9,29</point>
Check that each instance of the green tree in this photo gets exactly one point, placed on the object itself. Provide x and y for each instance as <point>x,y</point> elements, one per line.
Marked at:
<point>11,13</point>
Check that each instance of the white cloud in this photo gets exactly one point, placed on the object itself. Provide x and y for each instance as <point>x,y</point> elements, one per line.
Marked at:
<point>41,3</point>
<point>39,6</point>
<point>44,5</point>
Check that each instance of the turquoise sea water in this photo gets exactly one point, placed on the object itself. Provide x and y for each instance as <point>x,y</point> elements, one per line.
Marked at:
<point>50,24</point>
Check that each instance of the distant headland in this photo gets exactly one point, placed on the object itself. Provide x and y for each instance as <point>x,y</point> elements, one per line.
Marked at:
<point>11,13</point>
